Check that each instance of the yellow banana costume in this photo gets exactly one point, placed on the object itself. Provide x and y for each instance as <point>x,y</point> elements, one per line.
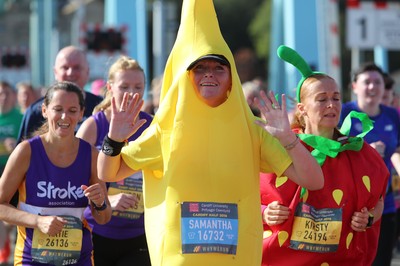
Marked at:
<point>194,156</point>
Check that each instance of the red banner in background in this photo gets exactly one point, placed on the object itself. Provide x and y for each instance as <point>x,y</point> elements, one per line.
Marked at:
<point>356,3</point>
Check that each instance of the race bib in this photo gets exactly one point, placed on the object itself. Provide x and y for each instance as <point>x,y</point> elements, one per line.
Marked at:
<point>62,249</point>
<point>316,230</point>
<point>131,185</point>
<point>209,227</point>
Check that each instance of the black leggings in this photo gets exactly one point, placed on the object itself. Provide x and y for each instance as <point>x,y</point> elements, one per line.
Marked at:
<point>120,252</point>
<point>386,240</point>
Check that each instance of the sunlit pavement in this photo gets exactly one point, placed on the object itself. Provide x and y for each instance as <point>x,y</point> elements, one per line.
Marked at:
<point>395,259</point>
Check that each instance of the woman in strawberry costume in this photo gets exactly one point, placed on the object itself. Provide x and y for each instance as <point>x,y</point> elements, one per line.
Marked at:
<point>338,224</point>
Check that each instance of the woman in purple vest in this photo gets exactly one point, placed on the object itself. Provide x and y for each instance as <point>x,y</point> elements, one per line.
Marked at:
<point>122,241</point>
<point>56,177</point>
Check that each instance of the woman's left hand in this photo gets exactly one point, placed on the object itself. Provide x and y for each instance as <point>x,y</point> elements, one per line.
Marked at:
<point>359,220</point>
<point>276,117</point>
<point>95,194</point>
<point>125,121</point>
<point>275,213</point>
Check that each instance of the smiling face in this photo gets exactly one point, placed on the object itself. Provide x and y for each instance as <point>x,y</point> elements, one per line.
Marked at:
<point>369,88</point>
<point>212,81</point>
<point>320,105</point>
<point>63,113</point>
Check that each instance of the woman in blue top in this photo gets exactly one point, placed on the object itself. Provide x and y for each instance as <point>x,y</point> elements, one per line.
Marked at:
<point>368,85</point>
<point>122,241</point>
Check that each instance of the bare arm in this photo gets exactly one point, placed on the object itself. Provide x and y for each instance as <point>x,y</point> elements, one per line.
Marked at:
<point>112,168</point>
<point>12,177</point>
<point>97,194</point>
<point>304,169</point>
<point>88,131</point>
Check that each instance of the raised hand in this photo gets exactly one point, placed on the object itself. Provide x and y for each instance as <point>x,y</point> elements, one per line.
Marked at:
<point>276,117</point>
<point>124,122</point>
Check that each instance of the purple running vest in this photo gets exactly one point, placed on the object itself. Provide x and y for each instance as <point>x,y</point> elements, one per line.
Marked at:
<point>52,190</point>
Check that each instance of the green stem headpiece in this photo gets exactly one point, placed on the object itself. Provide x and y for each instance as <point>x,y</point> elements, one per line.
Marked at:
<point>292,57</point>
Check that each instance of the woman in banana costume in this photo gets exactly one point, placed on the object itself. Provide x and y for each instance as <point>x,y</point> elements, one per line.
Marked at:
<point>203,152</point>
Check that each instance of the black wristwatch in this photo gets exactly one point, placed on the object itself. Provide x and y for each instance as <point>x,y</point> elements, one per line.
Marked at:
<point>370,220</point>
<point>100,208</point>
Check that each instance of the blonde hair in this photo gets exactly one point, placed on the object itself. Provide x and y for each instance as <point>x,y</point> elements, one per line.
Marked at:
<point>121,64</point>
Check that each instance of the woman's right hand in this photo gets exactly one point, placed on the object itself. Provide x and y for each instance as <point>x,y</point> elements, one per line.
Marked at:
<point>275,213</point>
<point>51,225</point>
<point>122,201</point>
<point>276,119</point>
<point>124,122</point>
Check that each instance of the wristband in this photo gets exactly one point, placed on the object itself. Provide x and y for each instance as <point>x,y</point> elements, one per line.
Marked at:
<point>293,144</point>
<point>111,147</point>
<point>100,208</point>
